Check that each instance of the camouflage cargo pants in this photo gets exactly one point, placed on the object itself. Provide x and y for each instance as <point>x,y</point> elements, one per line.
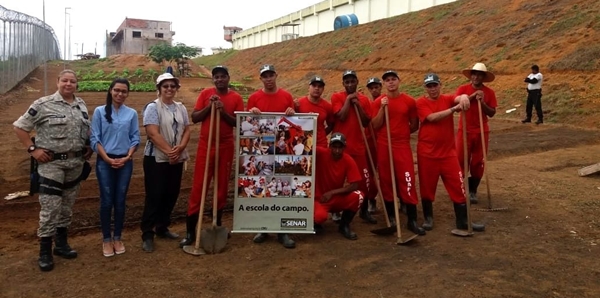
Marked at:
<point>57,193</point>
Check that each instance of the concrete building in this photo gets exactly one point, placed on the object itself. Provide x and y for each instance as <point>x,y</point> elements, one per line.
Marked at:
<point>136,36</point>
<point>323,17</point>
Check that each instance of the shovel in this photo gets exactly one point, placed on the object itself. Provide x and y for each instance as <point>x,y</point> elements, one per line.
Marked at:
<point>384,231</point>
<point>487,181</point>
<point>214,239</point>
<point>469,231</point>
<point>196,250</point>
<point>389,229</point>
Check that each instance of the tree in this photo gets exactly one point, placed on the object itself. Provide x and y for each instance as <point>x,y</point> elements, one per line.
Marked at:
<point>166,52</point>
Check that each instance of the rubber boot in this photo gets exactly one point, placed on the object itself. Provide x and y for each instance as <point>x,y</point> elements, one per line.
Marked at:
<point>46,262</point>
<point>219,217</point>
<point>473,185</point>
<point>61,247</point>
<point>427,214</point>
<point>344,226</point>
<point>365,214</point>
<point>286,241</point>
<point>411,213</point>
<point>462,222</point>
<point>389,207</point>
<point>190,230</point>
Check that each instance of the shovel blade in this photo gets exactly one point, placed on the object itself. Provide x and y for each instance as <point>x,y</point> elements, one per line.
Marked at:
<point>401,241</point>
<point>207,240</point>
<point>221,236</point>
<point>384,231</point>
<point>461,233</point>
<point>192,250</point>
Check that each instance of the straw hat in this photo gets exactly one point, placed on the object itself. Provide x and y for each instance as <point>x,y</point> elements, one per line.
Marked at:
<point>489,77</point>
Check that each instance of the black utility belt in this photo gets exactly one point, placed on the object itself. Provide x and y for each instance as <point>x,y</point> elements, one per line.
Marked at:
<point>67,155</point>
<point>534,90</point>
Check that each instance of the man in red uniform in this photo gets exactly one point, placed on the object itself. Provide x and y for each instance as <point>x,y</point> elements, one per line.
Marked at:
<point>332,194</point>
<point>436,153</point>
<point>271,99</point>
<point>374,86</point>
<point>348,124</point>
<point>226,102</point>
<point>313,103</point>
<point>487,97</point>
<point>403,117</point>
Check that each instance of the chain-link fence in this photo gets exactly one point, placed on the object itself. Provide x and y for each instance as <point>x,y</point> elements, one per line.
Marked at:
<point>25,43</point>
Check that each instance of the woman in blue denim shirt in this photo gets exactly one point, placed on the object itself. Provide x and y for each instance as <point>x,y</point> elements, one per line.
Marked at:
<point>115,137</point>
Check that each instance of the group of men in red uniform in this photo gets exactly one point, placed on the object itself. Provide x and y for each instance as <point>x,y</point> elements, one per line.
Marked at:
<point>344,179</point>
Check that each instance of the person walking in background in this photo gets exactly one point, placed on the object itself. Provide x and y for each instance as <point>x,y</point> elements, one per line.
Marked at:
<point>349,123</point>
<point>436,152</point>
<point>313,103</point>
<point>226,102</point>
<point>62,125</point>
<point>115,137</point>
<point>402,111</point>
<point>534,95</point>
<point>275,100</point>
<point>167,127</point>
<point>478,93</point>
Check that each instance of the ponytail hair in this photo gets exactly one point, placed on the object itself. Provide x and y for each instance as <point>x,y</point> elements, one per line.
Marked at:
<point>109,98</point>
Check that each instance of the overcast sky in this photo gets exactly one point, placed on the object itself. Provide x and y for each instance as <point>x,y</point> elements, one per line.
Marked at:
<point>196,23</point>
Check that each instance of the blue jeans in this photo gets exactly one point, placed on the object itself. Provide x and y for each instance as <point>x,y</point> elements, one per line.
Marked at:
<point>113,184</point>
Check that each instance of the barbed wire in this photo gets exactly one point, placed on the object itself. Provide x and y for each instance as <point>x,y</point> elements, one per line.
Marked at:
<point>8,15</point>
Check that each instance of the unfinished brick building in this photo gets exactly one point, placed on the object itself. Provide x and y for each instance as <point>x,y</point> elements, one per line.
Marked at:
<point>136,36</point>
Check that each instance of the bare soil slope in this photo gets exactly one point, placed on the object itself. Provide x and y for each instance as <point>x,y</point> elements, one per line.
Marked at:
<point>507,35</point>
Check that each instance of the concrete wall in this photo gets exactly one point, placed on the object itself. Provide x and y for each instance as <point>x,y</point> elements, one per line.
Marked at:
<point>319,18</point>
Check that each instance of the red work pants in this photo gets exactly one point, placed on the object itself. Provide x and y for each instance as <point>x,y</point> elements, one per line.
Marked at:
<point>431,169</point>
<point>404,171</point>
<point>338,203</point>
<point>474,152</point>
<point>367,184</point>
<point>224,163</point>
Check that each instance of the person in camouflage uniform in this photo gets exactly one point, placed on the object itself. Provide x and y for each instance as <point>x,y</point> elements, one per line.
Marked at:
<point>62,126</point>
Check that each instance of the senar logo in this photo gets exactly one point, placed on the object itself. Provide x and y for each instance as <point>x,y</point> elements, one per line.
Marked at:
<point>294,223</point>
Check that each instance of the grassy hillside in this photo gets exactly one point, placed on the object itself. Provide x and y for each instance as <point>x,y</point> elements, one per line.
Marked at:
<point>508,35</point>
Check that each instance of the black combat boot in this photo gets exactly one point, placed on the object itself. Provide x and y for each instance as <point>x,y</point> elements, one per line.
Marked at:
<point>344,226</point>
<point>427,214</point>
<point>46,262</point>
<point>389,207</point>
<point>411,213</point>
<point>365,214</point>
<point>462,222</point>
<point>285,240</point>
<point>473,185</point>
<point>190,227</point>
<point>61,247</point>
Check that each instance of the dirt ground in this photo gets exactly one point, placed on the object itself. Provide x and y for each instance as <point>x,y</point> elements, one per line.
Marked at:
<point>545,245</point>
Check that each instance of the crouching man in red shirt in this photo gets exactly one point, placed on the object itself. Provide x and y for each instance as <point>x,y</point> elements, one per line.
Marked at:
<point>331,193</point>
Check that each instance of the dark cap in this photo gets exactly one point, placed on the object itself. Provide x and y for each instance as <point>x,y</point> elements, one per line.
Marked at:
<point>389,73</point>
<point>431,78</point>
<point>337,137</point>
<point>220,68</point>
<point>373,80</point>
<point>316,79</point>
<point>349,73</point>
<point>267,67</point>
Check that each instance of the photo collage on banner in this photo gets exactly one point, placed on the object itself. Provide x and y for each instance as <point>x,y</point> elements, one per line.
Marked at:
<point>275,162</point>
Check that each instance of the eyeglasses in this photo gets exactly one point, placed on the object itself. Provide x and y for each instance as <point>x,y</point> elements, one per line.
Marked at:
<point>167,86</point>
<point>122,91</point>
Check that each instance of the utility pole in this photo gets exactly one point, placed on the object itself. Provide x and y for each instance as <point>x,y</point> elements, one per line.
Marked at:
<point>45,51</point>
<point>70,56</point>
<point>65,43</point>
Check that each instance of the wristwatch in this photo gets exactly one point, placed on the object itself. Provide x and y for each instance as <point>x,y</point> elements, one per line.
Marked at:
<point>31,148</point>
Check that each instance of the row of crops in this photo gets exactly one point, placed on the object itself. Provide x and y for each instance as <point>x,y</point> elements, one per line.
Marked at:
<point>99,81</point>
